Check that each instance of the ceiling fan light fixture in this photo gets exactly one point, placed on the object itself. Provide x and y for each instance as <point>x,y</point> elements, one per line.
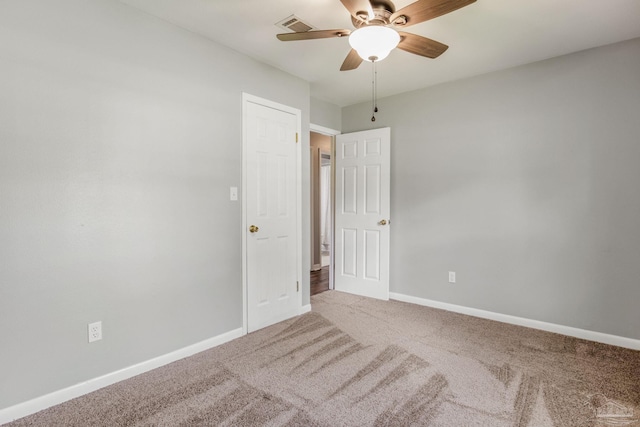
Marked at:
<point>374,42</point>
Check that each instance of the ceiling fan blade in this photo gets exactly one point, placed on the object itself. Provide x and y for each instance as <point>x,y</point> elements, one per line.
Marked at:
<point>310,35</point>
<point>423,10</point>
<point>352,61</point>
<point>419,45</point>
<point>355,6</point>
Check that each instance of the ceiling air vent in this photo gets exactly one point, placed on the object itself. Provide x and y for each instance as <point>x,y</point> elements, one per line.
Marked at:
<point>295,24</point>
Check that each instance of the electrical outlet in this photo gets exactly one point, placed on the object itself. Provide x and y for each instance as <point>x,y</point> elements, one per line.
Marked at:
<point>452,277</point>
<point>95,331</point>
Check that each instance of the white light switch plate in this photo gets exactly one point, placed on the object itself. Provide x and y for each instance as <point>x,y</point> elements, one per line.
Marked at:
<point>233,193</point>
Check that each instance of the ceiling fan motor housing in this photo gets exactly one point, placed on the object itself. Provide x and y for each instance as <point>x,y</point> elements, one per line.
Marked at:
<point>382,11</point>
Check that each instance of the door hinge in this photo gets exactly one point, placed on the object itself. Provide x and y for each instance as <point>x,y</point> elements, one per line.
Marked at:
<point>296,137</point>
<point>297,286</point>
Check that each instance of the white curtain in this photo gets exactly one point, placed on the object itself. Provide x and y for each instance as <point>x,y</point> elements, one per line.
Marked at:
<point>325,206</point>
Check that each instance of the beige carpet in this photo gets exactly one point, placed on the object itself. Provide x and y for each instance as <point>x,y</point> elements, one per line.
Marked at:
<point>354,361</point>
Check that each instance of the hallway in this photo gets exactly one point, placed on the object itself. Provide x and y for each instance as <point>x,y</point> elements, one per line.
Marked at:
<point>320,280</point>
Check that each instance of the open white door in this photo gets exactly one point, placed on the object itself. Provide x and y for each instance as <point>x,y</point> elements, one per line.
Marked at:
<point>362,224</point>
<point>272,223</point>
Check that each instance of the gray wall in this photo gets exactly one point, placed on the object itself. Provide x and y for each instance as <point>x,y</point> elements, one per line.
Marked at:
<point>120,136</point>
<point>526,183</point>
<point>326,114</point>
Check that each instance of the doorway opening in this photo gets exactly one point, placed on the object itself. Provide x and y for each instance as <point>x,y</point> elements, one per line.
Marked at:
<point>322,201</point>
<point>326,209</point>
<point>359,237</point>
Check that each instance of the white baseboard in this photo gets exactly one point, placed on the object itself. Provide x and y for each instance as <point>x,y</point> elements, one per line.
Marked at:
<point>38,404</point>
<point>521,321</point>
<point>305,309</point>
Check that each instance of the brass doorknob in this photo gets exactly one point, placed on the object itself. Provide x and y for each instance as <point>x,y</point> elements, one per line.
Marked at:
<point>254,229</point>
<point>383,222</point>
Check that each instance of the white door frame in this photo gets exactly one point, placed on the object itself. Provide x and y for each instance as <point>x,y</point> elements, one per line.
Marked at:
<point>246,98</point>
<point>332,133</point>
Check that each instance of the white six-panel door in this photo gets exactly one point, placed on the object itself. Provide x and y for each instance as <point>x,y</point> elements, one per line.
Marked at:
<point>271,215</point>
<point>362,223</point>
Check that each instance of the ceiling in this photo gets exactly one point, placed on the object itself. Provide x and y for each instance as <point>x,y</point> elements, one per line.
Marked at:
<point>485,36</point>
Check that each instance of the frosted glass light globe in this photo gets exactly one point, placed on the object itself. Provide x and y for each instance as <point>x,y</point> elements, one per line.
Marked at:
<point>375,42</point>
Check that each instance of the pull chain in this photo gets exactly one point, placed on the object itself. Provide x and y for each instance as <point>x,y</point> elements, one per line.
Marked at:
<point>374,89</point>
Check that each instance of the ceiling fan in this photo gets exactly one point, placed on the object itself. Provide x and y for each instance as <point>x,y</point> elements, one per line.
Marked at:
<point>378,29</point>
